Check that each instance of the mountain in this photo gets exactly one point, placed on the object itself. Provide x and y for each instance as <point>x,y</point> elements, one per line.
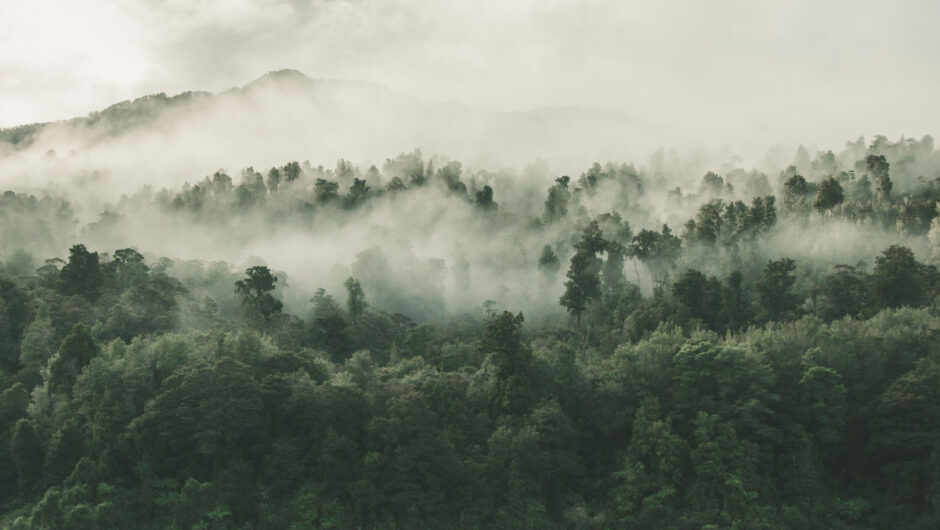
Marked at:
<point>286,115</point>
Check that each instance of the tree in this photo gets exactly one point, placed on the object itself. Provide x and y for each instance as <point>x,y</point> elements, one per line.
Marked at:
<point>795,191</point>
<point>583,283</point>
<point>256,290</point>
<point>828,195</point>
<point>700,296</point>
<point>556,205</point>
<point>129,268</point>
<point>358,193</point>
<point>845,293</point>
<point>76,351</point>
<point>878,166</point>
<point>658,251</point>
<point>736,310</point>
<point>897,278</point>
<point>325,191</point>
<point>774,289</point>
<point>592,240</point>
<point>26,452</point>
<point>274,180</point>
<point>327,327</point>
<point>82,274</point>
<point>355,298</point>
<point>548,261</point>
<point>484,198</point>
<point>511,358</point>
<point>651,473</point>
<point>14,314</point>
<point>291,171</point>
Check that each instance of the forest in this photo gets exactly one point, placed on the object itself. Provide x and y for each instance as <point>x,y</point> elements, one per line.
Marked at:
<point>429,345</point>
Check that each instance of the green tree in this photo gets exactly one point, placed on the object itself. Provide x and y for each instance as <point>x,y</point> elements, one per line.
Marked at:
<point>27,455</point>
<point>583,284</point>
<point>651,474</point>
<point>898,278</point>
<point>845,293</point>
<point>735,304</point>
<point>82,274</point>
<point>878,167</point>
<point>355,298</point>
<point>76,351</point>
<point>511,359</point>
<point>795,192</point>
<point>828,194</point>
<point>14,315</point>
<point>774,290</point>
<point>256,289</point>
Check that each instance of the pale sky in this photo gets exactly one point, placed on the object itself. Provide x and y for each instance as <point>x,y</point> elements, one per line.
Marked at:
<point>722,71</point>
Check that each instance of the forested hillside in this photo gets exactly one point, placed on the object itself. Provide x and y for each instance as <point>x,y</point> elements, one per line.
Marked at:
<point>425,345</point>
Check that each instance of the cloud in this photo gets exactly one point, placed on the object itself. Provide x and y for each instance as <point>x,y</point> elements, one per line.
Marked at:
<point>709,73</point>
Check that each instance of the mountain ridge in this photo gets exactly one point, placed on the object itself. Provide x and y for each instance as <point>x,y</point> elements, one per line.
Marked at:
<point>144,110</point>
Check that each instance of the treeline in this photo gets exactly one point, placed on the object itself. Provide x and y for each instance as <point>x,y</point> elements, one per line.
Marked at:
<point>687,372</point>
<point>376,421</point>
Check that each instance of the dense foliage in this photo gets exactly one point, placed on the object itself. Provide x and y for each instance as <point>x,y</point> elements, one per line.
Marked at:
<point>731,386</point>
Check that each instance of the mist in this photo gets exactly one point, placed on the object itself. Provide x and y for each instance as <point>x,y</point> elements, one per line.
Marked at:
<point>420,264</point>
<point>417,238</point>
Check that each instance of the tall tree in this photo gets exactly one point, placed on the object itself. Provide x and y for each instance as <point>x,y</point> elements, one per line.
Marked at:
<point>584,283</point>
<point>828,195</point>
<point>897,278</point>
<point>355,298</point>
<point>82,274</point>
<point>27,456</point>
<point>774,289</point>
<point>511,358</point>
<point>795,192</point>
<point>556,205</point>
<point>256,289</point>
<point>76,351</point>
<point>878,167</point>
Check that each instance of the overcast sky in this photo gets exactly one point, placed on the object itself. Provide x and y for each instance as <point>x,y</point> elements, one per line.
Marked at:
<point>724,71</point>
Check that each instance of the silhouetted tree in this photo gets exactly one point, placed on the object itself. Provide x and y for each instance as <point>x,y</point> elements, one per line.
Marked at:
<point>256,289</point>
<point>355,298</point>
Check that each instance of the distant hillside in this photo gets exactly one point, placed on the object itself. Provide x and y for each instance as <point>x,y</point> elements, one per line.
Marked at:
<point>288,115</point>
<point>113,120</point>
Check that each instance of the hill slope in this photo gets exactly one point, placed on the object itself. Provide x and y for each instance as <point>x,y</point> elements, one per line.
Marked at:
<point>288,115</point>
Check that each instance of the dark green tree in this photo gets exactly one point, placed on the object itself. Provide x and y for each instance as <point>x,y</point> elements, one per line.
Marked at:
<point>76,351</point>
<point>583,284</point>
<point>256,289</point>
<point>484,198</point>
<point>774,290</point>
<point>26,453</point>
<point>795,192</point>
<point>878,167</point>
<point>511,359</point>
<point>898,279</point>
<point>82,274</point>
<point>828,195</point>
<point>355,298</point>
<point>735,304</point>
<point>846,292</point>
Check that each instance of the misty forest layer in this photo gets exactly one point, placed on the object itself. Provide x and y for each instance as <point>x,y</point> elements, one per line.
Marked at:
<point>425,346</point>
